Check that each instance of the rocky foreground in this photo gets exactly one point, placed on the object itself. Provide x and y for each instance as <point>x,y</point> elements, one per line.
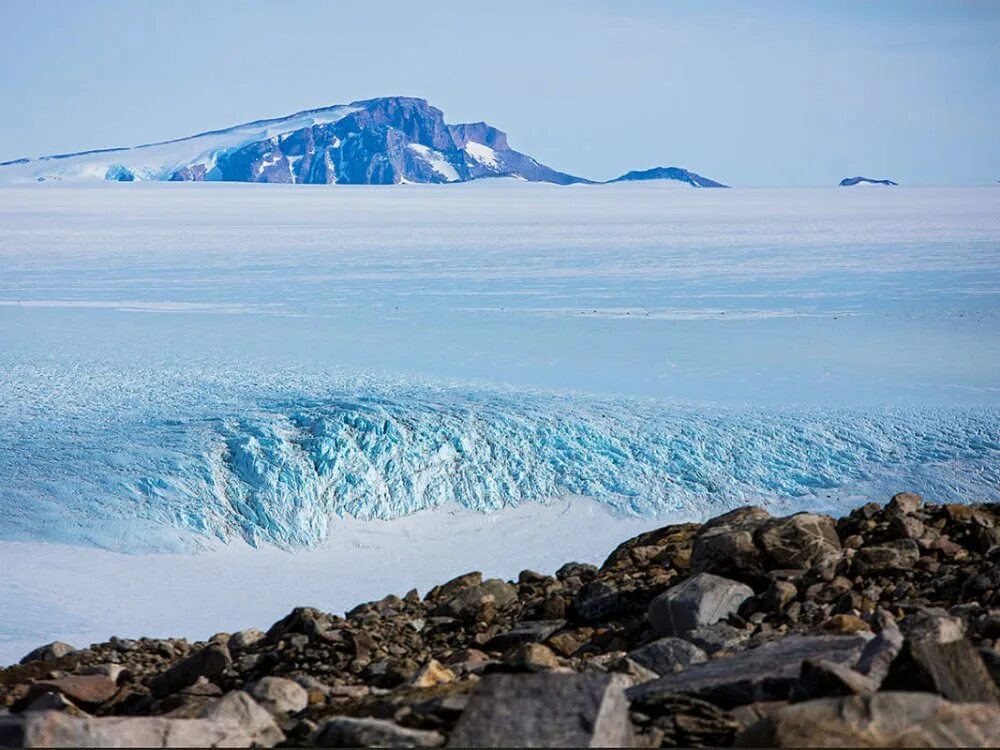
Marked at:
<point>878,629</point>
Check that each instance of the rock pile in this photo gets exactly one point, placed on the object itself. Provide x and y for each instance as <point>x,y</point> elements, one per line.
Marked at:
<point>880,628</point>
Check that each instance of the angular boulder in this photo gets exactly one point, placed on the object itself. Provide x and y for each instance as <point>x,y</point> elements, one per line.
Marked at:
<point>237,708</point>
<point>54,650</point>
<point>903,719</point>
<point>703,599</point>
<point>278,695</point>
<point>798,541</point>
<point>545,710</point>
<point>209,662</point>
<point>55,729</point>
<point>348,731</point>
<point>765,673</point>
<point>668,655</point>
<point>892,557</point>
<point>726,544</point>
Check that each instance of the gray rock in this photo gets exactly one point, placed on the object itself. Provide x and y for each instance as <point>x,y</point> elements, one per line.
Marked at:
<point>237,708</point>
<point>278,695</point>
<point>892,557</point>
<point>54,650</point>
<point>347,731</point>
<point>718,637</point>
<point>545,710</point>
<point>820,678</point>
<point>954,669</point>
<point>209,662</point>
<point>245,638</point>
<point>879,653</point>
<point>595,601</point>
<point>668,655</point>
<point>766,673</point>
<point>906,719</point>
<point>55,729</point>
<point>932,624</point>
<point>798,541</point>
<point>700,600</point>
<point>725,545</point>
<point>528,631</point>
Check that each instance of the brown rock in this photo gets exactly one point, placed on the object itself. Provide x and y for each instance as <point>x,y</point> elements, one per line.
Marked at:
<point>83,690</point>
<point>530,657</point>
<point>430,674</point>
<point>210,662</point>
<point>798,541</point>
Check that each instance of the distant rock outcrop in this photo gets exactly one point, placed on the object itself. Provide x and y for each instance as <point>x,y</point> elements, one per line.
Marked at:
<point>848,181</point>
<point>676,174</point>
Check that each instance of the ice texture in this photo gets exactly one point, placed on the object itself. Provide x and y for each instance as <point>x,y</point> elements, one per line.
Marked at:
<point>182,365</point>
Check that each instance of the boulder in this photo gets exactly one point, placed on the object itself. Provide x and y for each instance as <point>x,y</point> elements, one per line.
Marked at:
<point>718,637</point>
<point>348,731</point>
<point>54,650</point>
<point>452,587</point>
<point>528,631</point>
<point>953,669</point>
<point>86,691</point>
<point>530,657</point>
<point>278,695</point>
<point>726,544</point>
<point>798,541</point>
<point>545,710</point>
<point>596,600</point>
<point>55,729</point>
<point>238,709</point>
<point>245,638</point>
<point>209,662</point>
<point>700,600</point>
<point>668,655</point>
<point>430,674</point>
<point>879,653</point>
<point>766,673</point>
<point>820,678</point>
<point>892,557</point>
<point>905,503</point>
<point>904,719</point>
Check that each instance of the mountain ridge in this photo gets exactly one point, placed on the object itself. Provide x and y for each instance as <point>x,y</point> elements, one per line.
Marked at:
<point>385,140</point>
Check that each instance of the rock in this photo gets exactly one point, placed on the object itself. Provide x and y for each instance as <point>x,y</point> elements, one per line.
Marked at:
<point>726,544</point>
<point>237,708</point>
<point>245,638</point>
<point>53,702</point>
<point>530,657</point>
<point>668,655</point>
<point>824,679</point>
<point>305,621</point>
<point>700,600</point>
<point>278,695</point>
<point>778,596</point>
<point>569,642</point>
<point>892,557</point>
<point>347,731</point>
<point>905,503</point>
<point>528,631</point>
<point>932,624</point>
<point>682,721</point>
<point>906,527</point>
<point>431,674</point>
<point>452,587</point>
<point>798,541</point>
<point>545,710</point>
<point>55,729</point>
<point>718,637</point>
<point>878,654</point>
<point>112,671</point>
<point>209,662</point>
<point>906,719</point>
<point>633,672</point>
<point>83,690</point>
<point>845,624</point>
<point>584,571</point>
<point>54,650</point>
<point>469,602</point>
<point>595,601</point>
<point>953,669</point>
<point>766,673</point>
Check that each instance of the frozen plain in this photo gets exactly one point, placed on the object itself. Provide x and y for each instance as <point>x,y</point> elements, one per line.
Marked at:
<point>236,387</point>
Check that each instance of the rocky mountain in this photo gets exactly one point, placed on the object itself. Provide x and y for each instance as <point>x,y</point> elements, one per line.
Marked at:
<point>849,181</point>
<point>669,173</point>
<point>877,629</point>
<point>376,141</point>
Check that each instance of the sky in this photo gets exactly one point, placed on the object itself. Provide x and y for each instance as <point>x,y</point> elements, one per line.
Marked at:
<point>762,93</point>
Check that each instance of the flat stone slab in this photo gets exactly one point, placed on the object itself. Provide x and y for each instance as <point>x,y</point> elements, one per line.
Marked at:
<point>765,673</point>
<point>545,710</point>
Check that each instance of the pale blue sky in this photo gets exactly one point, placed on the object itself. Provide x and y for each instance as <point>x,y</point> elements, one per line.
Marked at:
<point>747,92</point>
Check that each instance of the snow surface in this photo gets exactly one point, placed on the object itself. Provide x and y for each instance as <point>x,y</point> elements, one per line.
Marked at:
<point>436,160</point>
<point>187,365</point>
<point>482,153</point>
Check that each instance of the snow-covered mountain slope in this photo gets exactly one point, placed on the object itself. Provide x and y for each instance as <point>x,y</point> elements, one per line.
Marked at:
<point>851,181</point>
<point>676,174</point>
<point>377,141</point>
